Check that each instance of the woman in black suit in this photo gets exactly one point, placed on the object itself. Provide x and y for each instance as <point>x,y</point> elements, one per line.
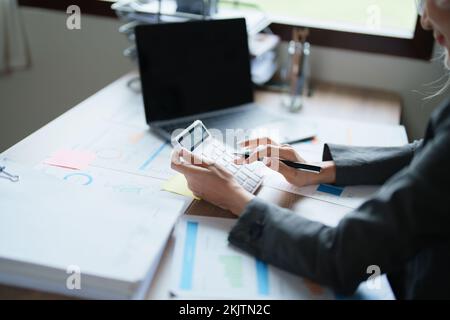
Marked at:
<point>404,229</point>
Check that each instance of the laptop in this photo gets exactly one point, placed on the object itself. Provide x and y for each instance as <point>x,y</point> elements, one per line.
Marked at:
<point>200,70</point>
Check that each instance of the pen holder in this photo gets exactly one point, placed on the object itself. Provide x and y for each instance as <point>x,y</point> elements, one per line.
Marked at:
<point>298,72</point>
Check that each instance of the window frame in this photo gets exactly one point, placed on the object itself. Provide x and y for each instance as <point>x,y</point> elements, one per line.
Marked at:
<point>420,47</point>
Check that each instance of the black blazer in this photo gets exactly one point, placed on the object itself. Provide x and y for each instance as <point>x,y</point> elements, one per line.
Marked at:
<point>404,229</point>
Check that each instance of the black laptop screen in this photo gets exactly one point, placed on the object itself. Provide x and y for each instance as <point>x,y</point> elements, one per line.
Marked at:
<point>193,67</point>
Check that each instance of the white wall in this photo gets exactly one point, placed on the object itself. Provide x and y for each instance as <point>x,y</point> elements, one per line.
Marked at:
<point>406,77</point>
<point>68,66</point>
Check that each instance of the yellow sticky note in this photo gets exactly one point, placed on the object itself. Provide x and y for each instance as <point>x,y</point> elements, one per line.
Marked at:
<point>178,184</point>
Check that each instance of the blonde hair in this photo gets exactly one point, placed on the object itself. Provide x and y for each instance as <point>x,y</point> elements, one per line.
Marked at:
<point>447,60</point>
<point>443,83</point>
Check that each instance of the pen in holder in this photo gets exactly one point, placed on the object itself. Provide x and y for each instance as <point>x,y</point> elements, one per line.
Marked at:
<point>298,70</point>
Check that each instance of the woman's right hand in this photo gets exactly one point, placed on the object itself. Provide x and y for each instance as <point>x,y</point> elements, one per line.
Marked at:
<point>272,152</point>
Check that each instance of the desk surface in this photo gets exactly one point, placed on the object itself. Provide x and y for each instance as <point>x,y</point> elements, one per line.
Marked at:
<point>330,101</point>
<point>343,102</point>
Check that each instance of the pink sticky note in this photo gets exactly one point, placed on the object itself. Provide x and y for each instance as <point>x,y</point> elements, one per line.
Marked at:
<point>72,159</point>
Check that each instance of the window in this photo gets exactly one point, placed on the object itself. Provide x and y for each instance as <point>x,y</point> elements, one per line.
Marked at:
<point>393,18</point>
<point>377,26</point>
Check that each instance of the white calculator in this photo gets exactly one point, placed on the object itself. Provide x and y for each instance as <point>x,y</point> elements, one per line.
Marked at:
<point>197,139</point>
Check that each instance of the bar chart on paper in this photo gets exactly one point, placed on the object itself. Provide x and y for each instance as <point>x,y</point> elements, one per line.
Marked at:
<point>207,266</point>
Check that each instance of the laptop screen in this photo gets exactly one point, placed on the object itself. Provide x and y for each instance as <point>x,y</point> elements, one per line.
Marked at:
<point>193,67</point>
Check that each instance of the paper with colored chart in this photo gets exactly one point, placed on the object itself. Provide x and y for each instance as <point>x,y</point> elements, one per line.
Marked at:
<point>119,148</point>
<point>131,150</point>
<point>206,266</point>
<point>107,180</point>
<point>351,197</point>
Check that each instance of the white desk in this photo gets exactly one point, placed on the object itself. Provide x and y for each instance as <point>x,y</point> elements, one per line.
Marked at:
<point>117,103</point>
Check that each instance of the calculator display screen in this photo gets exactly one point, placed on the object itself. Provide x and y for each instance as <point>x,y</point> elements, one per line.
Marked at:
<point>193,138</point>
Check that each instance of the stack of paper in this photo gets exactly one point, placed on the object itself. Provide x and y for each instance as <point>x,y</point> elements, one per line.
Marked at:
<point>68,239</point>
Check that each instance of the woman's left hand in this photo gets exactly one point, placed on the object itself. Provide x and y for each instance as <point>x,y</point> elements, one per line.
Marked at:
<point>211,182</point>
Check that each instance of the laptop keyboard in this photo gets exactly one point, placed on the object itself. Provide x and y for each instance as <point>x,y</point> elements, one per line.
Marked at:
<point>242,119</point>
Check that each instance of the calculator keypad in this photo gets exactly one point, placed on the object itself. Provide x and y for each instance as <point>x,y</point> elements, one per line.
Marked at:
<point>249,176</point>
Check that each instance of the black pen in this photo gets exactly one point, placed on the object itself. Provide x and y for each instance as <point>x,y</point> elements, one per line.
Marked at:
<point>292,164</point>
<point>302,166</point>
